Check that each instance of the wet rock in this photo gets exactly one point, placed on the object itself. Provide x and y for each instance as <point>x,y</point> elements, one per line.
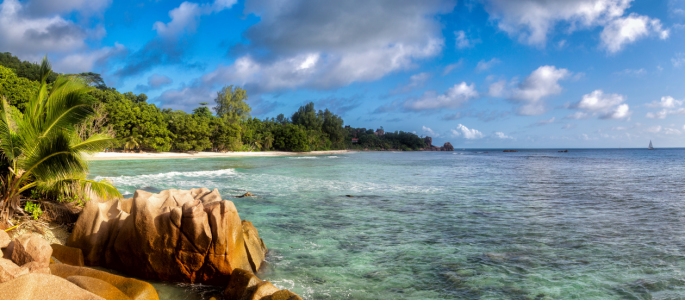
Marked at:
<point>29,248</point>
<point>262,290</point>
<point>67,255</point>
<point>175,235</point>
<point>132,288</point>
<point>9,270</point>
<point>283,295</point>
<point>242,282</point>
<point>4,239</point>
<point>42,286</point>
<point>98,287</point>
<point>256,250</point>
<point>245,195</point>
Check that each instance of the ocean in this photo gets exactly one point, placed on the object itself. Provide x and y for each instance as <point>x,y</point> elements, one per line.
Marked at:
<point>469,224</point>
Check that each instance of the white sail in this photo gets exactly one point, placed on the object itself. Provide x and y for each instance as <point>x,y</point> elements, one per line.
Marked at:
<point>650,145</point>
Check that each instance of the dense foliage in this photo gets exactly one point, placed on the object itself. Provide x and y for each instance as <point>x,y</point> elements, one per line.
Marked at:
<point>227,126</point>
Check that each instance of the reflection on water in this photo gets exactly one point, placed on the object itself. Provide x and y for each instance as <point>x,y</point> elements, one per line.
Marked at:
<point>534,224</point>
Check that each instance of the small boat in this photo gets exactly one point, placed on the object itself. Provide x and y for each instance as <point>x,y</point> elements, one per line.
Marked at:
<point>650,145</point>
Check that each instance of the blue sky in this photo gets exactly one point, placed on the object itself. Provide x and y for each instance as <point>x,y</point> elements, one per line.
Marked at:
<point>490,73</point>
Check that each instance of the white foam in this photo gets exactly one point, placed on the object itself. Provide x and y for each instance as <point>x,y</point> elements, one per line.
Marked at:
<point>155,178</point>
<point>303,157</point>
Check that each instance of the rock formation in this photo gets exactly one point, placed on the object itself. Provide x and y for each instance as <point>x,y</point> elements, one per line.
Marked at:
<point>177,235</point>
<point>447,147</point>
<point>245,285</point>
<point>42,286</point>
<point>429,141</point>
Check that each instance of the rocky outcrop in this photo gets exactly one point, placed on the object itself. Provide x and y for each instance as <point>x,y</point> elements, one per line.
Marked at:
<point>245,285</point>
<point>98,287</point>
<point>4,239</point>
<point>447,147</point>
<point>133,289</point>
<point>67,255</point>
<point>176,235</point>
<point>428,141</point>
<point>42,286</point>
<point>30,248</point>
<point>256,250</point>
<point>9,270</point>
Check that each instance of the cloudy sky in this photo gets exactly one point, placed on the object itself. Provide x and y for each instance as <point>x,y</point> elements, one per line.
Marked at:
<point>488,73</point>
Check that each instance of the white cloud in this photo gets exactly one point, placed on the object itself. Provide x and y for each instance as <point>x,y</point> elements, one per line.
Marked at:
<point>353,41</point>
<point>451,67</point>
<point>503,136</point>
<point>498,89</point>
<point>455,96</point>
<point>678,60</point>
<point>184,18</point>
<point>606,106</point>
<point>154,82</point>
<point>671,131</point>
<point>665,102</point>
<point>463,131</point>
<point>541,83</point>
<point>463,41</point>
<point>487,65</point>
<point>533,20</point>
<point>429,131</point>
<point>627,30</point>
<point>662,114</point>
<point>545,122</point>
<point>86,61</point>
<point>416,81</point>
<point>632,72</point>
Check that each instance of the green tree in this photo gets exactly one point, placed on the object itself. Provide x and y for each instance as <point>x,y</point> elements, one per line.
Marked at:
<point>290,137</point>
<point>17,90</point>
<point>24,69</point>
<point>333,127</point>
<point>202,112</point>
<point>231,104</point>
<point>42,148</point>
<point>307,117</point>
<point>143,120</point>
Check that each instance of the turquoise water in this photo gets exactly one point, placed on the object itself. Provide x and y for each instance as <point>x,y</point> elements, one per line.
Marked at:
<point>536,224</point>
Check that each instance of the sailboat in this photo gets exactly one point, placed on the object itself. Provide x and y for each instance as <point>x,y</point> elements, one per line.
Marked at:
<point>650,145</point>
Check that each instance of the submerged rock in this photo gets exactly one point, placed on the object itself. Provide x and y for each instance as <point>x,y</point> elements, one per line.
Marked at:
<point>176,235</point>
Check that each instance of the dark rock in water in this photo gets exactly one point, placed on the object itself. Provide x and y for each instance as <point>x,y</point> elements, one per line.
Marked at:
<point>245,285</point>
<point>429,141</point>
<point>349,196</point>
<point>176,235</point>
<point>447,147</point>
<point>509,151</point>
<point>245,195</point>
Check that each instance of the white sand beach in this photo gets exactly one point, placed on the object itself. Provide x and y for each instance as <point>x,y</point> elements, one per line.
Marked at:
<point>175,155</point>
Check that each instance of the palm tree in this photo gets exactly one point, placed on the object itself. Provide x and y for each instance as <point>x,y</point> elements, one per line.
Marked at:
<point>42,147</point>
<point>131,143</point>
<point>268,140</point>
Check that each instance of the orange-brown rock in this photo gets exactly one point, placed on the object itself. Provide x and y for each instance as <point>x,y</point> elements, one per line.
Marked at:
<point>98,287</point>
<point>262,290</point>
<point>37,267</point>
<point>9,270</point>
<point>44,287</point>
<point>176,235</point>
<point>283,295</point>
<point>5,239</point>
<point>31,247</point>
<point>132,288</point>
<point>242,282</point>
<point>68,255</point>
<point>256,250</point>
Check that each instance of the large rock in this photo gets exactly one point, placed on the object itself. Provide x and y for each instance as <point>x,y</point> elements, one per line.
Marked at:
<point>29,248</point>
<point>5,239</point>
<point>244,285</point>
<point>283,295</point>
<point>68,255</point>
<point>132,288</point>
<point>44,287</point>
<point>98,287</point>
<point>447,147</point>
<point>176,235</point>
<point>256,250</point>
<point>9,270</point>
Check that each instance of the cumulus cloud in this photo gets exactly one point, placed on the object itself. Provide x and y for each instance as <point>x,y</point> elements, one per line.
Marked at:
<point>665,102</point>
<point>662,114</point>
<point>622,31</point>
<point>184,18</point>
<point>155,81</point>
<point>606,106</point>
<point>415,81</point>
<point>465,132</point>
<point>487,65</point>
<point>52,7</point>
<point>86,61</point>
<point>187,97</point>
<point>429,132</point>
<point>501,135</point>
<point>454,97</point>
<point>463,41</point>
<point>319,44</point>
<point>540,84</point>
<point>533,20</point>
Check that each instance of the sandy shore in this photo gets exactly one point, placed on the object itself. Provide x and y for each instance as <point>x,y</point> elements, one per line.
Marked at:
<point>174,155</point>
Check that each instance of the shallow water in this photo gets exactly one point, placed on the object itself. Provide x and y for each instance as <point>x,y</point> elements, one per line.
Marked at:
<point>536,224</point>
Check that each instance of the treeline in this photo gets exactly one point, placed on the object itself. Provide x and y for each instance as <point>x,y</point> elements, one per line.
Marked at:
<point>226,126</point>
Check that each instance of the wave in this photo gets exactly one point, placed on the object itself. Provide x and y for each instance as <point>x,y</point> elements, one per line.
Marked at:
<point>153,178</point>
<point>303,157</point>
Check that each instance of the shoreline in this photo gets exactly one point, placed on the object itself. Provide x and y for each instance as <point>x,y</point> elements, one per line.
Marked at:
<point>174,155</point>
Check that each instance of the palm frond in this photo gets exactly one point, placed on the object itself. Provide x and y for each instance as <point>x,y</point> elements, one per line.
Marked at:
<point>8,137</point>
<point>45,69</point>
<point>95,143</point>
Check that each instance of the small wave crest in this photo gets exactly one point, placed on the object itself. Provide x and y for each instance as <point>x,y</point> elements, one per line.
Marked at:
<point>152,178</point>
<point>303,157</point>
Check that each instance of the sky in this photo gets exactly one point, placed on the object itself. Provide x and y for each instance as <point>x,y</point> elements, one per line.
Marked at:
<point>488,73</point>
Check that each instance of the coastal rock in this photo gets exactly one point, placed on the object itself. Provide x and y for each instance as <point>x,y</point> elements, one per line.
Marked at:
<point>29,248</point>
<point>428,141</point>
<point>244,285</point>
<point>447,147</point>
<point>5,239</point>
<point>10,270</point>
<point>283,295</point>
<point>37,267</point>
<point>176,235</point>
<point>42,286</point>
<point>256,250</point>
<point>98,287</point>
<point>68,255</point>
<point>262,290</point>
<point>132,288</point>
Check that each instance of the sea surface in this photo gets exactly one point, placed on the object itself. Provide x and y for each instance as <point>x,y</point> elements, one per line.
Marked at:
<point>469,224</point>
